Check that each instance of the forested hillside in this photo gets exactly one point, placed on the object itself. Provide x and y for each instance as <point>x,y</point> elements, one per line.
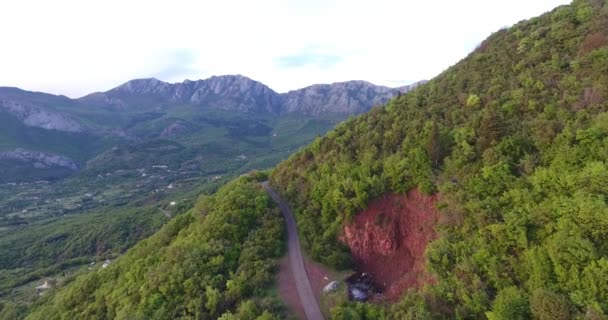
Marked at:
<point>514,140</point>
<point>217,260</point>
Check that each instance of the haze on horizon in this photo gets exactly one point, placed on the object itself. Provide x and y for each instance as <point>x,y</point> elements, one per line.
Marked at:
<point>78,47</point>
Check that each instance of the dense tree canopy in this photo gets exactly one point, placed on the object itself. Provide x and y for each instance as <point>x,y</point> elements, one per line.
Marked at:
<point>217,260</point>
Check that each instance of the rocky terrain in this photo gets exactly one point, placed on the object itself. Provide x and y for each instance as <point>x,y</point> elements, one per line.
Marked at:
<point>39,160</point>
<point>351,97</point>
<point>239,93</point>
<point>33,113</point>
<point>235,93</point>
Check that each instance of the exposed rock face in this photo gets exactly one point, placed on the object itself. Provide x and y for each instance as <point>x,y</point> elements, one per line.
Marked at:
<point>232,92</point>
<point>40,160</point>
<point>36,116</point>
<point>388,240</point>
<point>239,93</point>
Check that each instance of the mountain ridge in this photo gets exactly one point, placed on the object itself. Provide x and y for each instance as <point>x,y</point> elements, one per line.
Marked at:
<point>231,93</point>
<point>249,93</point>
<point>143,109</point>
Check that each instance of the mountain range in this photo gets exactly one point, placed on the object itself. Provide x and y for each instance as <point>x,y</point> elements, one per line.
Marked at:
<point>234,93</point>
<point>144,109</point>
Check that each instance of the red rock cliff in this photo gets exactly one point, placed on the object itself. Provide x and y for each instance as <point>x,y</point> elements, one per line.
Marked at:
<point>388,240</point>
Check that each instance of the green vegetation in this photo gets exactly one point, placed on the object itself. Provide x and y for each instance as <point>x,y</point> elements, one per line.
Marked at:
<point>216,260</point>
<point>515,139</point>
<point>61,247</point>
<point>36,246</point>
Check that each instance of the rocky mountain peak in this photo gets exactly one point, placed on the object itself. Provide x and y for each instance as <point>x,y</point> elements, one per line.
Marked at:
<point>228,92</point>
<point>242,94</point>
<point>142,86</point>
<point>350,97</point>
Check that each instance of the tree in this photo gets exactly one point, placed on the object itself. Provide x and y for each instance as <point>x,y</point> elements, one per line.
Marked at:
<point>491,128</point>
<point>511,303</point>
<point>547,305</point>
<point>433,145</point>
<point>214,298</point>
<point>473,101</point>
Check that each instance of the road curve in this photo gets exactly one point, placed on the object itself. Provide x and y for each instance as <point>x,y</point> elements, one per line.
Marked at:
<point>296,261</point>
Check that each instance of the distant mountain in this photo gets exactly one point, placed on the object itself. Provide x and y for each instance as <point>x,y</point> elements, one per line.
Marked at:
<point>31,108</point>
<point>234,93</point>
<point>239,93</point>
<point>343,98</point>
<point>226,111</point>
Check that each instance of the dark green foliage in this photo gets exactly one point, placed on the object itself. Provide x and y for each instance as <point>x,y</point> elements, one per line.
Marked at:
<point>411,307</point>
<point>546,305</point>
<point>216,261</point>
<point>515,139</point>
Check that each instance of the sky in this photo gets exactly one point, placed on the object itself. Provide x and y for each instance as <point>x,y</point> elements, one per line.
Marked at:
<point>75,47</point>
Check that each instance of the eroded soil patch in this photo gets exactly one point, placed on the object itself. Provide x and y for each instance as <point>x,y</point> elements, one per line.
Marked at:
<point>388,240</point>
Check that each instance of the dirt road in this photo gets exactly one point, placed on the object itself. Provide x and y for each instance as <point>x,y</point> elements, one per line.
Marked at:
<point>165,212</point>
<point>296,261</point>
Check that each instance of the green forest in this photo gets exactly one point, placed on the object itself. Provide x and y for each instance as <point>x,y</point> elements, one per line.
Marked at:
<point>215,261</point>
<point>515,140</point>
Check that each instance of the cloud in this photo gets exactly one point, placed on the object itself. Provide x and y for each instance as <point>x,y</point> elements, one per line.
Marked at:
<point>177,66</point>
<point>308,59</point>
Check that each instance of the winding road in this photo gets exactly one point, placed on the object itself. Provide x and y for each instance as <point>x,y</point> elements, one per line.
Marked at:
<point>296,261</point>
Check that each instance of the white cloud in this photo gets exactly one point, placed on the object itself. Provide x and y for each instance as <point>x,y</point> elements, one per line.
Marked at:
<point>76,47</point>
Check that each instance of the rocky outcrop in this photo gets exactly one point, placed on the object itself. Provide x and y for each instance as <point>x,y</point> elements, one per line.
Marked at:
<point>39,159</point>
<point>388,240</point>
<point>231,92</point>
<point>37,109</point>
<point>33,115</point>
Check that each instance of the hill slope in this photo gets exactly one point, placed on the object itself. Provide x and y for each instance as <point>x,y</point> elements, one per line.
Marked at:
<point>513,139</point>
<point>216,260</point>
